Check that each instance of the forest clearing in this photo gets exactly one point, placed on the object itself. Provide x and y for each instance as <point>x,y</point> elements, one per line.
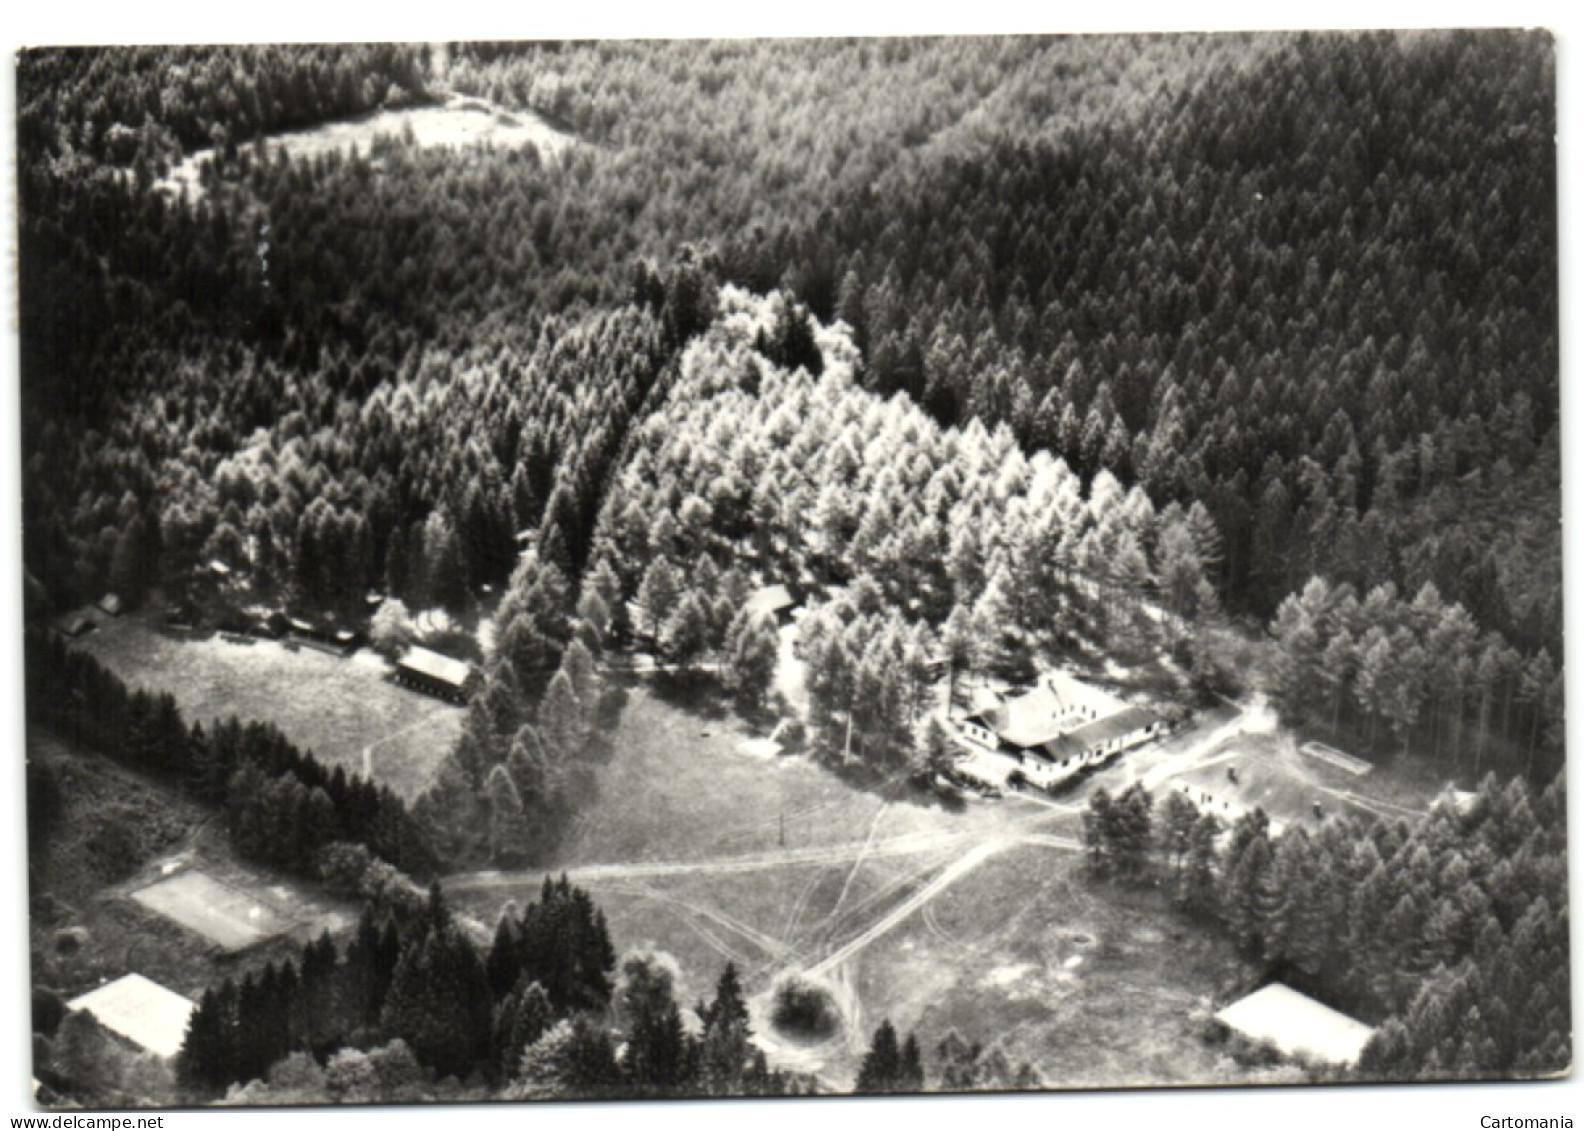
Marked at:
<point>346,710</point>
<point>450,120</point>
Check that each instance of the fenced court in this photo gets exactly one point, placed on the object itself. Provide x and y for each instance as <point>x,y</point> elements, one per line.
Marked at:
<point>229,917</point>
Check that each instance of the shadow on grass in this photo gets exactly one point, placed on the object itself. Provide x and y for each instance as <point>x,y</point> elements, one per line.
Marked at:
<point>701,696</point>
<point>895,787</point>
<point>694,692</point>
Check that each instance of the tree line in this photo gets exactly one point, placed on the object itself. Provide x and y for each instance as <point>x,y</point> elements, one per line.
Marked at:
<point>547,1011</point>
<point>1421,669</point>
<point>282,805</point>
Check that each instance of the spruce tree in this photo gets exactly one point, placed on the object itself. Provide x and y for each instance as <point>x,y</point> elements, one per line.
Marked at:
<point>910,1069</point>
<point>439,998</point>
<point>881,1069</point>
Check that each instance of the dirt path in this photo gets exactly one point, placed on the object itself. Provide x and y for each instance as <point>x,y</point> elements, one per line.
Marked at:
<point>1255,717</point>
<point>953,872</point>
<point>858,861</point>
<point>705,921</point>
<point>368,751</point>
<point>908,845</point>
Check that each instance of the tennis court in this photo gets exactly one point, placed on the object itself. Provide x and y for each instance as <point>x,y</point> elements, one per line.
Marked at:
<point>228,916</point>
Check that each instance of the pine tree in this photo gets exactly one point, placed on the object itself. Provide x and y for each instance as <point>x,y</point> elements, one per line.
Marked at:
<point>594,617</point>
<point>1126,831</point>
<point>881,1069</point>
<point>509,830</point>
<point>562,719</point>
<point>725,1052</point>
<point>750,655</point>
<point>578,663</point>
<point>1243,887</point>
<point>1096,820</point>
<point>1196,888</point>
<point>686,633</point>
<point>658,595</point>
<point>910,1068</point>
<point>521,1018</point>
<point>503,966</point>
<point>439,1000</point>
<point>1178,820</point>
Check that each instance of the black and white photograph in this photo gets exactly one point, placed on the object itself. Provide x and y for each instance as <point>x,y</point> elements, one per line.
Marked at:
<point>671,568</point>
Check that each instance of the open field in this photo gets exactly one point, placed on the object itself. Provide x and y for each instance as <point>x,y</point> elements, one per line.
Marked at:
<point>682,787</point>
<point>458,121</point>
<point>346,712</point>
<point>979,921</point>
<point>1092,985</point>
<point>902,909</point>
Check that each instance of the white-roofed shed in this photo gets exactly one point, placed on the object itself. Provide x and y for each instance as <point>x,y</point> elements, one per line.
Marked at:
<point>1297,1024</point>
<point>144,1012</point>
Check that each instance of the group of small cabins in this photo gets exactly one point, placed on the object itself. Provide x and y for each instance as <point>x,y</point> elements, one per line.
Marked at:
<point>419,668</point>
<point>1050,733</point>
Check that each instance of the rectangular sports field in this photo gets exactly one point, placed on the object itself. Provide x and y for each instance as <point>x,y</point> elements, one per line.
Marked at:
<point>343,710</point>
<point>228,916</point>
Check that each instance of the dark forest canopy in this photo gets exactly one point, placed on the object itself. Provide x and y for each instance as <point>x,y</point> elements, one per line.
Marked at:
<point>1306,280</point>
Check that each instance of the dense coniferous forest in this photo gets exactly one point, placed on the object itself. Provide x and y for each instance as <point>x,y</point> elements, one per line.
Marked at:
<point>949,541</point>
<point>1099,347</point>
<point>1314,319</point>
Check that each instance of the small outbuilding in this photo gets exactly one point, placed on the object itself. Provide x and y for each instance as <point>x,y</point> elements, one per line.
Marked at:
<point>140,1011</point>
<point>772,600</point>
<point>1297,1025</point>
<point>1330,755</point>
<point>434,674</point>
<point>77,624</point>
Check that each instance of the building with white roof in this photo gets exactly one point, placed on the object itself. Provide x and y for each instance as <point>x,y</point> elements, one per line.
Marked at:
<point>143,1012</point>
<point>1297,1025</point>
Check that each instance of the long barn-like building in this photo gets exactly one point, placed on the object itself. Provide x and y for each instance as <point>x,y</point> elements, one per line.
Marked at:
<point>435,674</point>
<point>1297,1025</point>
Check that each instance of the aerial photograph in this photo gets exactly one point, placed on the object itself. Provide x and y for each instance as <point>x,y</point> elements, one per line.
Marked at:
<point>665,568</point>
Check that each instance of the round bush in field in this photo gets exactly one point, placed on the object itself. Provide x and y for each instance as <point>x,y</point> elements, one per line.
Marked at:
<point>802,1007</point>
